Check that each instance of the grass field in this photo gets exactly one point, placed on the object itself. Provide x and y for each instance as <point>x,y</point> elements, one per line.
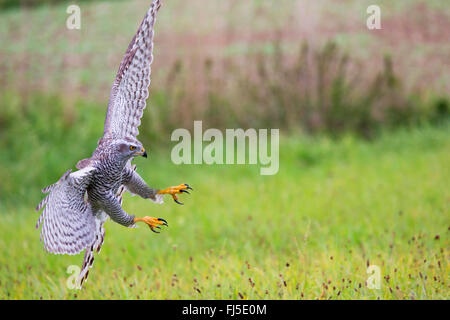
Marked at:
<point>310,231</point>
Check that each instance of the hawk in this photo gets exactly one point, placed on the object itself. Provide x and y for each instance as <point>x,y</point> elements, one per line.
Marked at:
<point>79,203</point>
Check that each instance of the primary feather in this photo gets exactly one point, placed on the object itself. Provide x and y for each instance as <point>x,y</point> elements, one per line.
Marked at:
<point>67,220</point>
<point>130,89</point>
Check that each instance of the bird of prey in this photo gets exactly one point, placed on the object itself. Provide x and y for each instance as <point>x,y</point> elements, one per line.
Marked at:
<point>79,203</point>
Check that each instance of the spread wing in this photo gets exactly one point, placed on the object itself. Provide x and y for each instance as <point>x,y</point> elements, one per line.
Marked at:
<point>130,88</point>
<point>68,224</point>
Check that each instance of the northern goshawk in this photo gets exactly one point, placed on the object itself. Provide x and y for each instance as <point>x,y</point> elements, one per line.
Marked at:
<point>79,203</point>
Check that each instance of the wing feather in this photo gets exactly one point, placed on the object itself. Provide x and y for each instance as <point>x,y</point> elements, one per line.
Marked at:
<point>68,223</point>
<point>129,92</point>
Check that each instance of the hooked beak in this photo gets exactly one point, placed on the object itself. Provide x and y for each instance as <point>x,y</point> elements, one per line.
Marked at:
<point>142,152</point>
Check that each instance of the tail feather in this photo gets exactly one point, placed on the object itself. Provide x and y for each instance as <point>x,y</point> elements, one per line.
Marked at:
<point>88,259</point>
<point>99,239</point>
<point>87,263</point>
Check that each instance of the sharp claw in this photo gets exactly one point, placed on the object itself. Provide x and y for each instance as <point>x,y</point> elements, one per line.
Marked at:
<point>182,190</point>
<point>178,201</point>
<point>154,230</point>
<point>165,222</point>
<point>188,187</point>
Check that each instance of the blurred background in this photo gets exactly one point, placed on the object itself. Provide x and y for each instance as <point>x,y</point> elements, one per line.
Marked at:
<point>363,116</point>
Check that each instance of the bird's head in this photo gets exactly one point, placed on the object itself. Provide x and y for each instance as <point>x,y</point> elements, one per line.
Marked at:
<point>129,149</point>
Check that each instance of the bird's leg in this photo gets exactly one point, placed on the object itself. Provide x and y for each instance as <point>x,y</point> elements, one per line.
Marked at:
<point>153,223</point>
<point>174,190</point>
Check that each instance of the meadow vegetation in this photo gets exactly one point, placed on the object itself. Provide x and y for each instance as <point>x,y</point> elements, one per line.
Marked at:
<point>310,231</point>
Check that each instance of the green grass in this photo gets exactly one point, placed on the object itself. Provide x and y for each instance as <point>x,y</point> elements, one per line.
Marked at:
<point>308,232</point>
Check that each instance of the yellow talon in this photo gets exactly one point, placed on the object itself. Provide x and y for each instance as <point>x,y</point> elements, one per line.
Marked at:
<point>153,223</point>
<point>174,190</point>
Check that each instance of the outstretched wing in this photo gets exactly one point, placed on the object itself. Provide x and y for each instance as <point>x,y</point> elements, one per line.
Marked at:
<point>130,89</point>
<point>68,224</point>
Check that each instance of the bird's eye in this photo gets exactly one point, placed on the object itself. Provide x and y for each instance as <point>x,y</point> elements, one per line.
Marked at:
<point>132,148</point>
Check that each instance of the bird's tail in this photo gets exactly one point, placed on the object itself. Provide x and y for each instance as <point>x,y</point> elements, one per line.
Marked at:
<point>88,260</point>
<point>87,263</point>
